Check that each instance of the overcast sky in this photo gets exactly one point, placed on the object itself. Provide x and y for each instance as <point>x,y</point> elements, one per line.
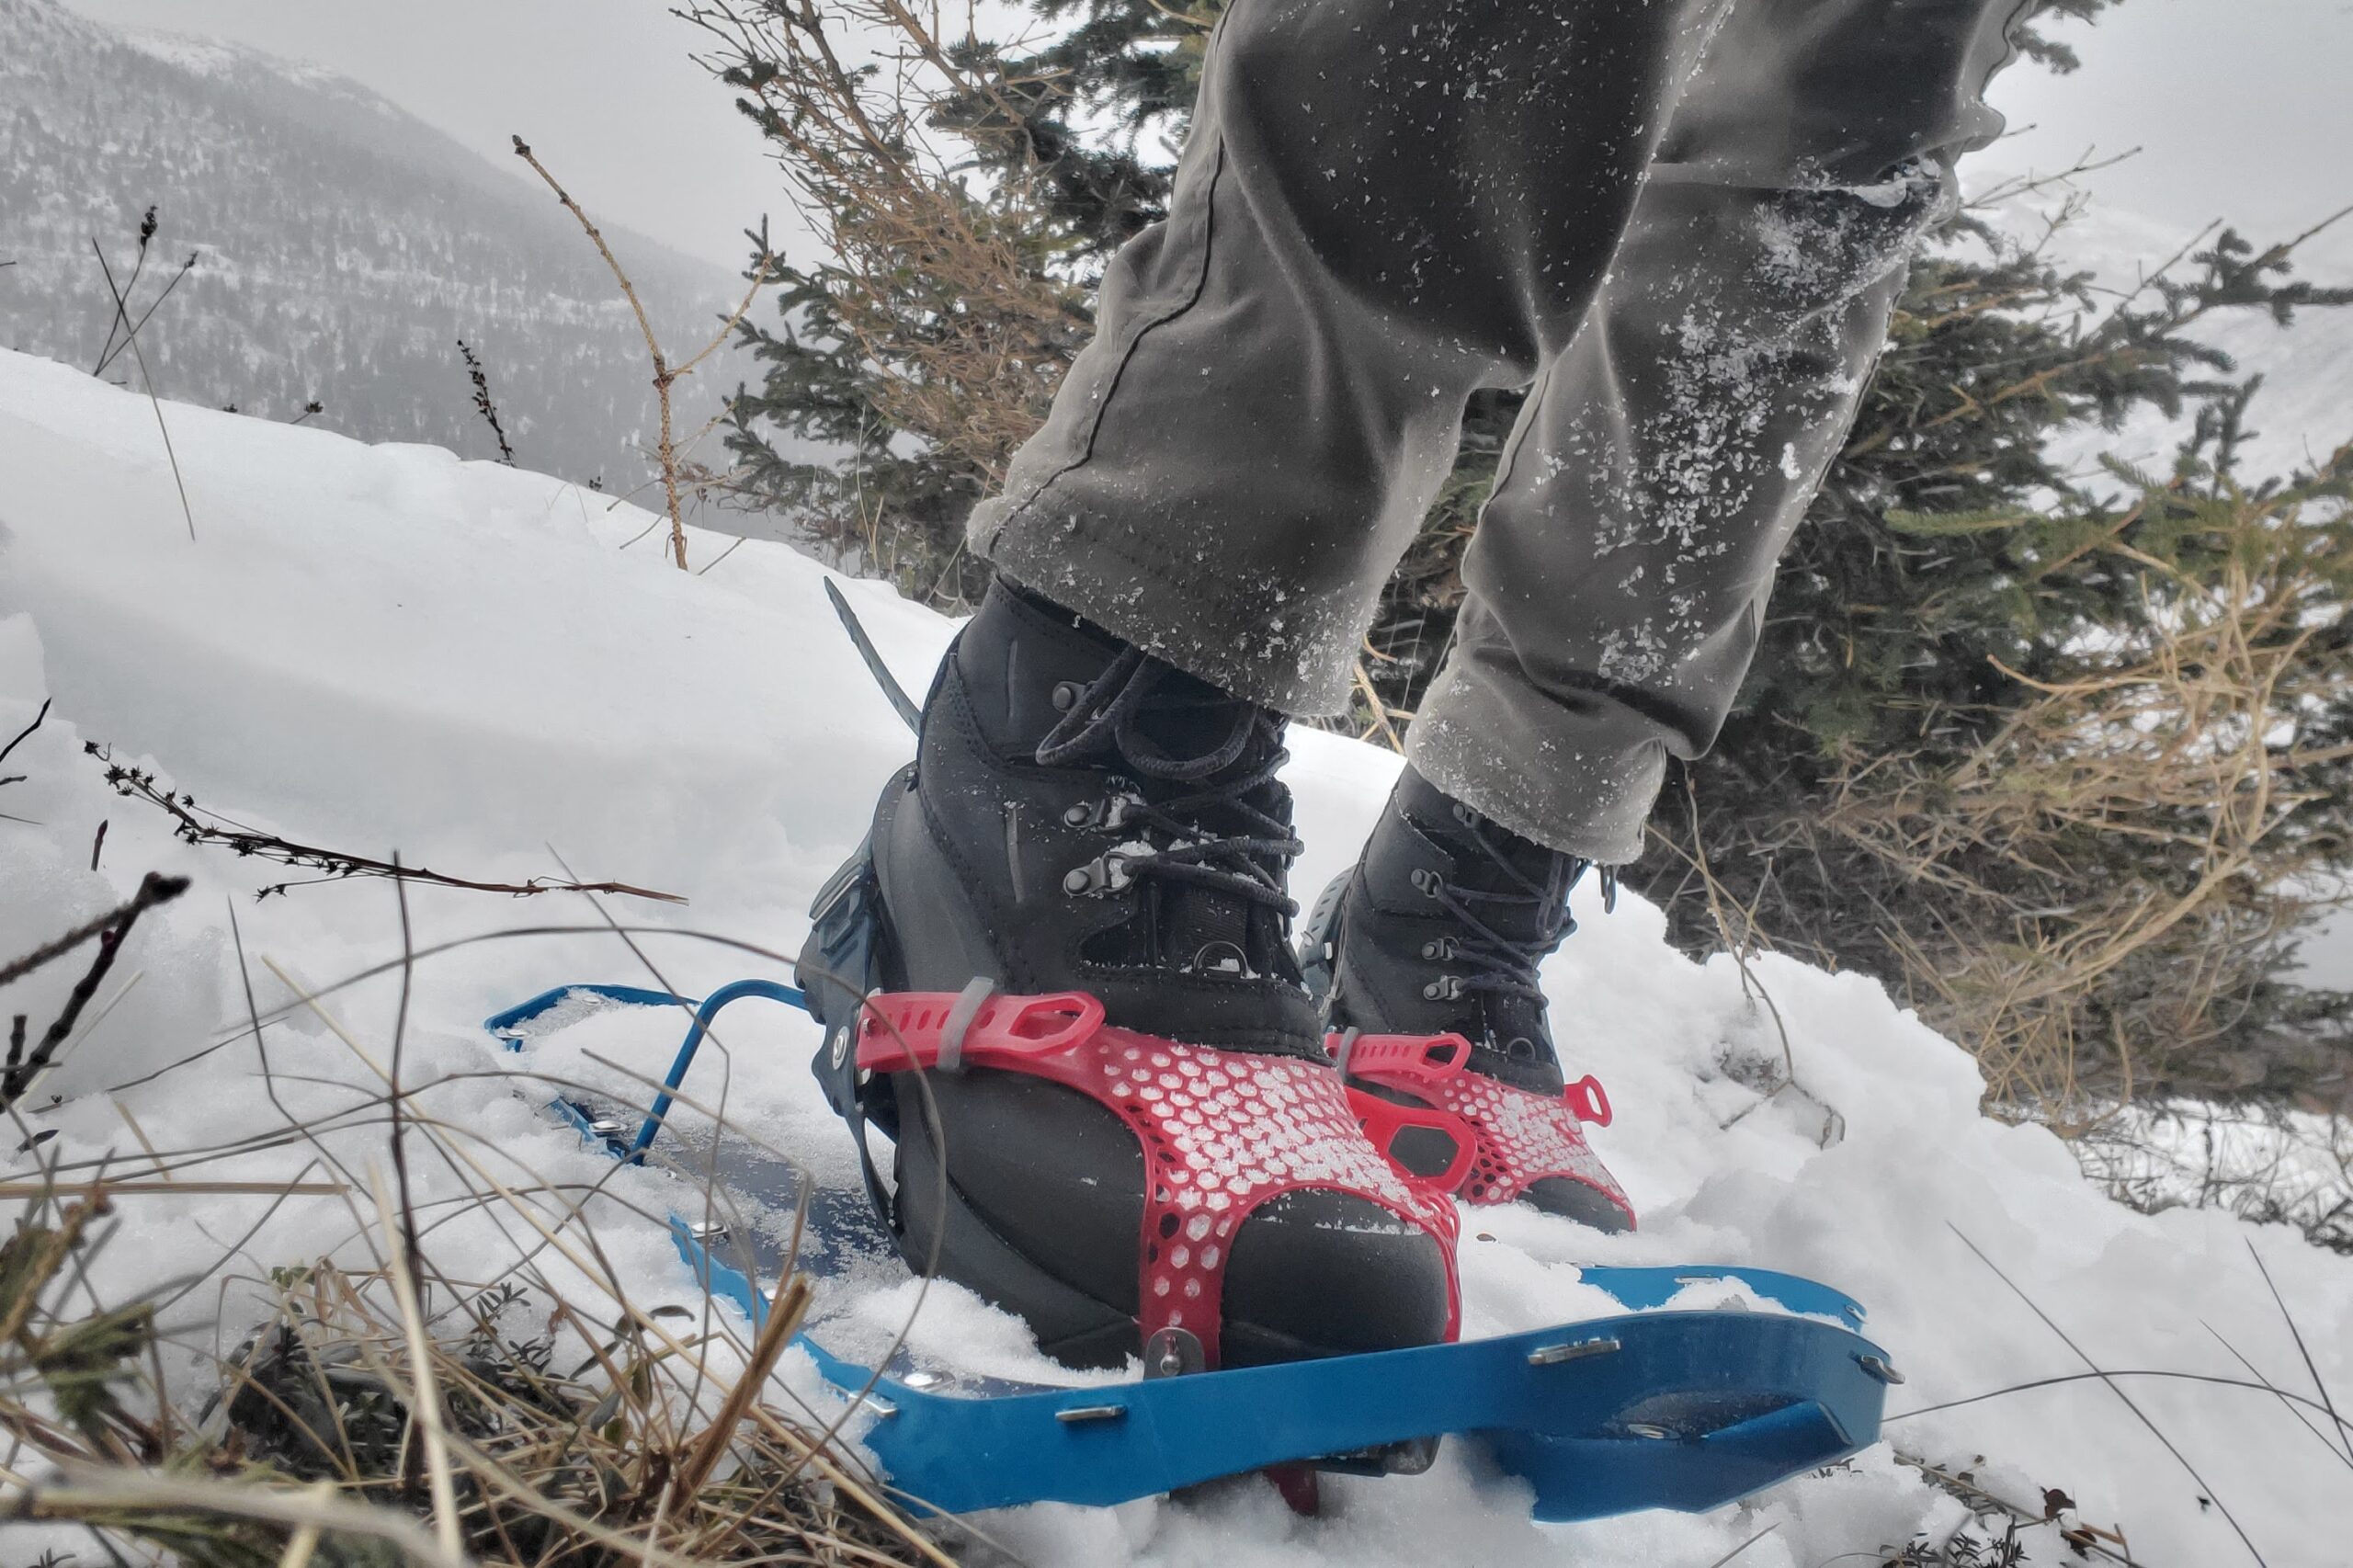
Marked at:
<point>2240,105</point>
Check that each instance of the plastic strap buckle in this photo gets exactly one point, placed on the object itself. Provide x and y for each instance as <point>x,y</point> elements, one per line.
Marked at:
<point>911,1030</point>
<point>1588,1101</point>
<point>1414,1058</point>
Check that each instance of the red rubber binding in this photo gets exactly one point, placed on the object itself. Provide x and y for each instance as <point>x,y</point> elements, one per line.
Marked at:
<point>1223,1133</point>
<point>1520,1137</point>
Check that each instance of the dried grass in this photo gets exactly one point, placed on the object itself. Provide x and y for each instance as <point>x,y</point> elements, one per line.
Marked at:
<point>2182,745</point>
<point>384,1407</point>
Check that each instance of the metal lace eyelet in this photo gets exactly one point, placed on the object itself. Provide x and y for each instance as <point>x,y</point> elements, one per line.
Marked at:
<point>1445,988</point>
<point>1065,695</point>
<point>1109,815</point>
<point>1427,881</point>
<point>1222,958</point>
<point>1441,949</point>
<point>1105,873</point>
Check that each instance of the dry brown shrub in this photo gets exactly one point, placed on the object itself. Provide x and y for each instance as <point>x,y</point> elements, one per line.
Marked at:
<point>951,295</point>
<point>2110,874</point>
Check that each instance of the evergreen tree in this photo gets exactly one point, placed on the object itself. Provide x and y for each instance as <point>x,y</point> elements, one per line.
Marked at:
<point>1947,567</point>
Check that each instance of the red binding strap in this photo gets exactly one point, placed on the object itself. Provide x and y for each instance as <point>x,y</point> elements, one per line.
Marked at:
<point>1223,1133</point>
<point>1521,1137</point>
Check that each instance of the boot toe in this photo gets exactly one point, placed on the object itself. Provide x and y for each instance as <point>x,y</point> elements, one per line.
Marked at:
<point>1574,1200</point>
<point>1319,1272</point>
<point>1045,1211</point>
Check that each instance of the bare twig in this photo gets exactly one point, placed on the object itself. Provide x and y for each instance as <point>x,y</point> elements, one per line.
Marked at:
<point>148,377</point>
<point>666,376</point>
<point>115,350</point>
<point>23,1068</point>
<point>2320,1384</point>
<point>21,735</point>
<point>483,404</point>
<point>153,889</point>
<point>2154,1430</point>
<point>194,827</point>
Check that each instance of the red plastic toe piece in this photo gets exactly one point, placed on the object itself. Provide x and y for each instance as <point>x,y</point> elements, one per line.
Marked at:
<point>1223,1133</point>
<point>1519,1137</point>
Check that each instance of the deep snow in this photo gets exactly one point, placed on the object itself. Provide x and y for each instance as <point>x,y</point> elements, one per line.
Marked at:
<point>383,648</point>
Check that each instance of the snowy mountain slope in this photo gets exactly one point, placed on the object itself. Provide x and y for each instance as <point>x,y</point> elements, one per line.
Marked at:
<point>381,648</point>
<point>343,248</point>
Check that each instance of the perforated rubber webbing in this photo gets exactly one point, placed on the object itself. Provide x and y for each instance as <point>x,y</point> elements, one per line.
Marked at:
<point>1222,1133</point>
<point>1519,1137</point>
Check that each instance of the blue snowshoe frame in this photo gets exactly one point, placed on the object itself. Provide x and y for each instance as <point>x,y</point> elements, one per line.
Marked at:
<point>1680,1410</point>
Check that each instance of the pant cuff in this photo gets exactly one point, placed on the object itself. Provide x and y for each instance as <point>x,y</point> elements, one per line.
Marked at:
<point>1551,772</point>
<point>1281,646</point>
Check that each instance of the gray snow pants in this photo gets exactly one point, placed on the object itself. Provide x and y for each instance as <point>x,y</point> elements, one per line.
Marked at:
<point>1682,223</point>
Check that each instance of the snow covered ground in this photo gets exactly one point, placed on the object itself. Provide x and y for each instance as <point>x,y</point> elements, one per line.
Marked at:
<point>383,649</point>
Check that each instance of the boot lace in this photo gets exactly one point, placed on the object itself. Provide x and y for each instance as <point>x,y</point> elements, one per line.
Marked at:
<point>1107,720</point>
<point>1501,964</point>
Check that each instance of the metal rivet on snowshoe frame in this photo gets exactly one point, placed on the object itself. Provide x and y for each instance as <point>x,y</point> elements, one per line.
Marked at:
<point>1091,1413</point>
<point>1656,1434</point>
<point>1171,1352</point>
<point>1575,1350</point>
<point>1065,695</point>
<point>920,1379</point>
<point>706,1231</point>
<point>1879,1369</point>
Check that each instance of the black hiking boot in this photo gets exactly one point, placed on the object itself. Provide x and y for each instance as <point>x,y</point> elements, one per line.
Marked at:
<point>1082,817</point>
<point>1439,929</point>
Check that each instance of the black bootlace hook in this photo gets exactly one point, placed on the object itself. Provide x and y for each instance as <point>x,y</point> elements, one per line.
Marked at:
<point>1106,717</point>
<point>1510,962</point>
